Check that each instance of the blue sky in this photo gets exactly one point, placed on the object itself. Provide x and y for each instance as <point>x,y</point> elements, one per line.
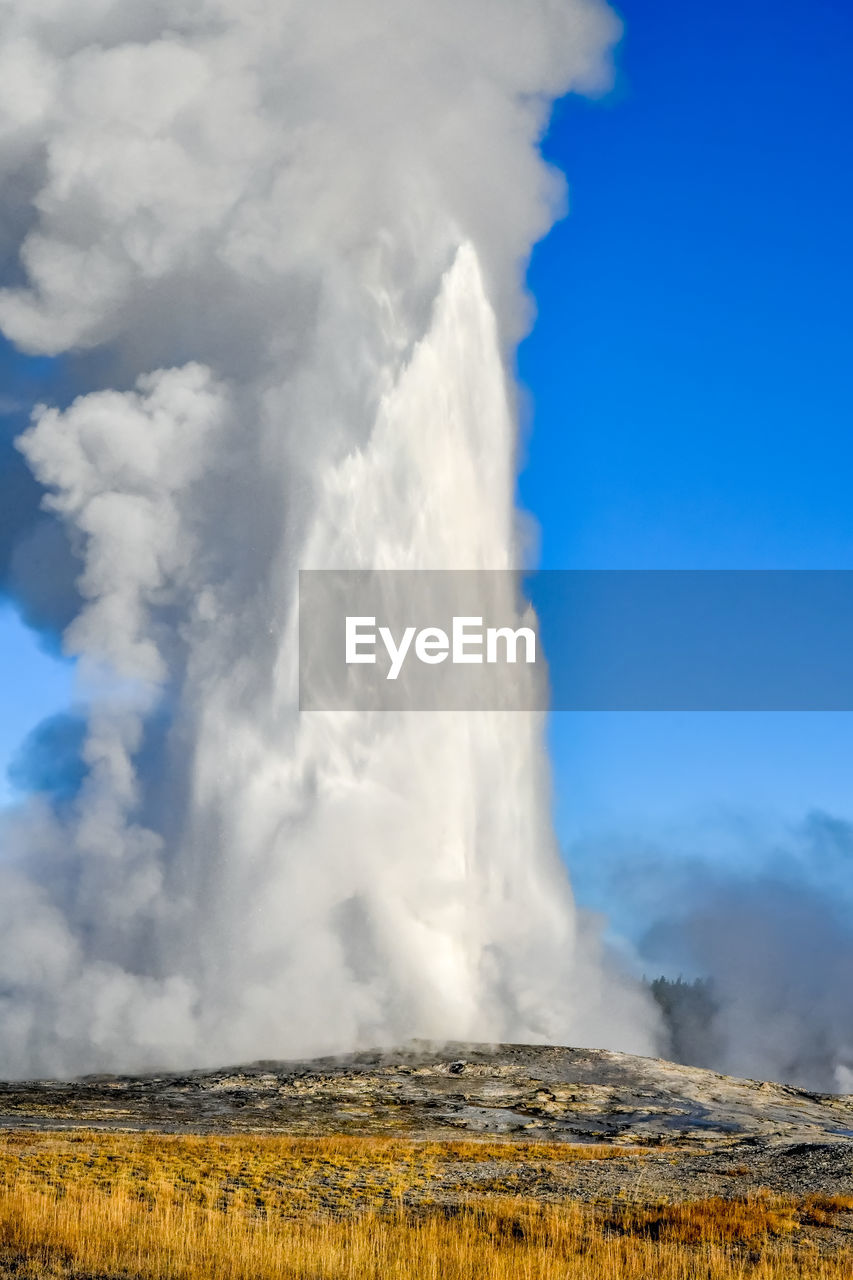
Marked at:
<point>35,685</point>
<point>691,379</point>
<point>691,364</point>
<point>34,682</point>
<point>690,390</point>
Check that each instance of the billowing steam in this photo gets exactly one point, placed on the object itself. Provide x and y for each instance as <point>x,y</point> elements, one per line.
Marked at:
<point>773,934</point>
<point>279,246</point>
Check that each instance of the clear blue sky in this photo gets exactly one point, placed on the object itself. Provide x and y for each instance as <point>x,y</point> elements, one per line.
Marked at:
<point>690,381</point>
<point>691,377</point>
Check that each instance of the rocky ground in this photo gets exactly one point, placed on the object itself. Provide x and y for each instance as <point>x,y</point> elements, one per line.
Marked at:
<point>698,1133</point>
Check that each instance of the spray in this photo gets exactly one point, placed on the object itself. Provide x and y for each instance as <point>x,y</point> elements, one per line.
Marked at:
<point>280,249</point>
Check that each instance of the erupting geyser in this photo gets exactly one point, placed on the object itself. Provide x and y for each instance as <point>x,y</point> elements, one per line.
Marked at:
<point>288,239</point>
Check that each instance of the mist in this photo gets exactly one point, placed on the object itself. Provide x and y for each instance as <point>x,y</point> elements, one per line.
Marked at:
<point>757,915</point>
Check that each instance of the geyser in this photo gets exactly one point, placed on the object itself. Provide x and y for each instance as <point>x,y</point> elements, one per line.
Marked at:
<point>279,247</point>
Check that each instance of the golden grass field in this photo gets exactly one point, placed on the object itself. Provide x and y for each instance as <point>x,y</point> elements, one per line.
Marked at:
<point>165,1207</point>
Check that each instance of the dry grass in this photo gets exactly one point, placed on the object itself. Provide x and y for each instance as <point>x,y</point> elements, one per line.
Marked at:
<point>275,1175</point>
<point>747,1219</point>
<point>183,1208</point>
<point>823,1210</point>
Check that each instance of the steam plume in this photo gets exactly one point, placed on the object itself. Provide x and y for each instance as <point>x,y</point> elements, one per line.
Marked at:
<point>760,911</point>
<point>774,935</point>
<point>279,246</point>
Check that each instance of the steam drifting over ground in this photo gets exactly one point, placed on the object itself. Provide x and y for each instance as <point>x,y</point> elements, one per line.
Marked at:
<point>280,247</point>
<point>768,919</point>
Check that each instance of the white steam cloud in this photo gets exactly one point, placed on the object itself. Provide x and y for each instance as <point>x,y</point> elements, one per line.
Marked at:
<point>291,237</point>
